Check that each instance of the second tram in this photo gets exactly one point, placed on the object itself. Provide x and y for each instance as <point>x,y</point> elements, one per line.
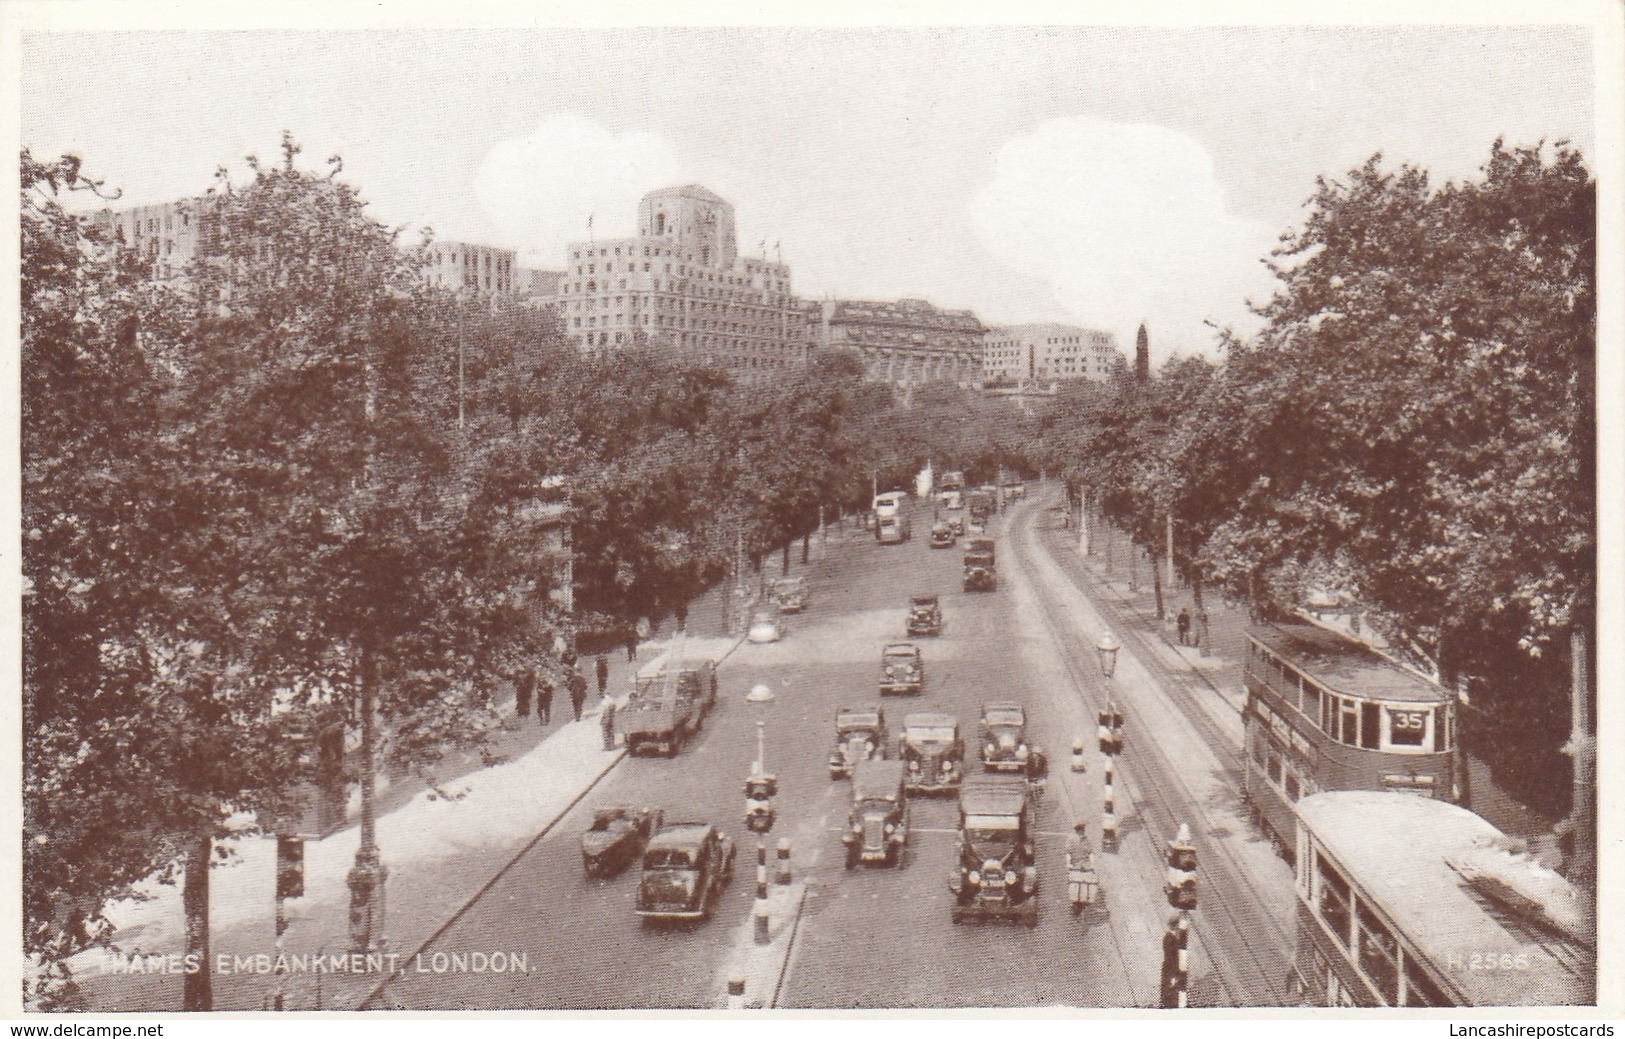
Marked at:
<point>1327,712</point>
<point>1404,901</point>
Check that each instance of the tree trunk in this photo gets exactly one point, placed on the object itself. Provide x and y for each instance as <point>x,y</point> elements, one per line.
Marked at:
<point>806,541</point>
<point>1202,633</point>
<point>197,990</point>
<point>1133,566</point>
<point>1156,584</point>
<point>784,566</point>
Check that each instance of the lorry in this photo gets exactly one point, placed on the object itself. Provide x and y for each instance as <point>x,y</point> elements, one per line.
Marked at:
<point>668,704</point>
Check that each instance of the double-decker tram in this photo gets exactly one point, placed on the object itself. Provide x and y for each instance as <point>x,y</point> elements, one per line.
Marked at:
<point>1406,901</point>
<point>1328,712</point>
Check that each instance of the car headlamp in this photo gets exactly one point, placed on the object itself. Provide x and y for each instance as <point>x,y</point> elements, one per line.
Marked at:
<point>974,877</point>
<point>890,829</point>
<point>914,765</point>
<point>1010,877</point>
<point>991,747</point>
<point>947,766</point>
<point>1021,751</point>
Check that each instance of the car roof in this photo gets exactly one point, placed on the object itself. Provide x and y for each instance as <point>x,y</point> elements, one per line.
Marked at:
<point>1002,705</point>
<point>680,835</point>
<point>925,718</point>
<point>861,708</point>
<point>907,649</point>
<point>923,598</point>
<point>877,777</point>
<point>993,795</point>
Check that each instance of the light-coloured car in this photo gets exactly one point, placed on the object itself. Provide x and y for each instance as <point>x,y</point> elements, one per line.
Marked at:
<point>766,623</point>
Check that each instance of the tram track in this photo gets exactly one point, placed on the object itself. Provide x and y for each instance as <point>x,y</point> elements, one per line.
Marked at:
<point>1229,923</point>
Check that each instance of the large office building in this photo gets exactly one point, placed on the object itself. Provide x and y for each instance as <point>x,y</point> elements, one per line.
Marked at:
<point>1040,355</point>
<point>469,267</point>
<point>904,342</point>
<point>681,281</point>
<point>165,234</point>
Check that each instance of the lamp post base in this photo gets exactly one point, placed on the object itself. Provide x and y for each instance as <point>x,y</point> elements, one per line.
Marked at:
<point>366,882</point>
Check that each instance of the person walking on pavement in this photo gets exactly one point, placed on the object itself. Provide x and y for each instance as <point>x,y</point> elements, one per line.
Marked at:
<point>524,687</point>
<point>602,665</point>
<point>631,644</point>
<point>606,718</point>
<point>544,701</point>
<point>1184,623</point>
<point>578,690</point>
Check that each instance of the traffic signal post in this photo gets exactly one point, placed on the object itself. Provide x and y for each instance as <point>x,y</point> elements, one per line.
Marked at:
<point>1181,891</point>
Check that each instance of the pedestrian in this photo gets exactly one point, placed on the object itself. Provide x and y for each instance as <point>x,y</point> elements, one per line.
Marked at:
<point>568,656</point>
<point>577,683</point>
<point>544,701</point>
<point>1184,623</point>
<point>602,664</point>
<point>682,617</point>
<point>631,644</point>
<point>606,718</point>
<point>524,687</point>
<point>1082,880</point>
<point>1201,626</point>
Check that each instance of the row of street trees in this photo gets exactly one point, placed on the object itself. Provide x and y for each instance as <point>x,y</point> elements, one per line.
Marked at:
<point>299,489</point>
<point>1413,428</point>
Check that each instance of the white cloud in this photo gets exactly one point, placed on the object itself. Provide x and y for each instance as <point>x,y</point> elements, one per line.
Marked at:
<point>1124,223</point>
<point>542,188</point>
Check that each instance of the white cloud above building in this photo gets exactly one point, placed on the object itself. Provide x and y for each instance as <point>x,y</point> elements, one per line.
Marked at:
<point>1123,222</point>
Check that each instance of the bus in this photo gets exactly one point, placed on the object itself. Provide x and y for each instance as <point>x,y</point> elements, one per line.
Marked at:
<point>1327,712</point>
<point>1404,901</point>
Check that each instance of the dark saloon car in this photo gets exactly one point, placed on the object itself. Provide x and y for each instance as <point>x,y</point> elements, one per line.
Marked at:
<point>616,838</point>
<point>902,669</point>
<point>685,868</point>
<point>860,734</point>
<point>924,615</point>
<point>877,829</point>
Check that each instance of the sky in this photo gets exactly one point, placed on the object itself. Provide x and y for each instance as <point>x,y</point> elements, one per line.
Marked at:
<point>1093,174</point>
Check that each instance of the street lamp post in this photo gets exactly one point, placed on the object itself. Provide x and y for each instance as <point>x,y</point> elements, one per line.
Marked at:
<point>1107,649</point>
<point>366,879</point>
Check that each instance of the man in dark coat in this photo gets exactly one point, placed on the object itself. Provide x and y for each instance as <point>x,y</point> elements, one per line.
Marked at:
<point>602,664</point>
<point>1184,624</point>
<point>524,687</point>
<point>578,690</point>
<point>544,701</point>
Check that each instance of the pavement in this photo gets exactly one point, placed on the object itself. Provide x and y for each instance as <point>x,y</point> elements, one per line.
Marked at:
<point>444,841</point>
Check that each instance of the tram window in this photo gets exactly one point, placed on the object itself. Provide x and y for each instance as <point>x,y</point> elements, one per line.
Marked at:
<point>1379,955</point>
<point>1291,785</point>
<point>1443,729</point>
<point>1407,728</point>
<point>1350,713</point>
<point>1260,746</point>
<point>1370,718</point>
<point>1328,715</point>
<point>1420,991</point>
<point>1311,699</point>
<point>1274,767</point>
<point>1333,899</point>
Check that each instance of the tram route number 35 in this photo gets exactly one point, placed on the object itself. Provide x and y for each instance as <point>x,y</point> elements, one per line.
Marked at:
<point>1489,961</point>
<point>1410,719</point>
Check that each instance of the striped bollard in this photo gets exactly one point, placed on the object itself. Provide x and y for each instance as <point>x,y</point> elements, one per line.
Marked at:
<point>736,992</point>
<point>1108,821</point>
<point>783,874</point>
<point>1183,976</point>
<point>761,869</point>
<point>763,937</point>
<point>1078,762</point>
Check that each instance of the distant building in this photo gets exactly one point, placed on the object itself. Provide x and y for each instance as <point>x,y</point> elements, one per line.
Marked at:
<point>1045,354</point>
<point>165,234</point>
<point>906,342</point>
<point>682,281</point>
<point>536,287</point>
<point>460,266</point>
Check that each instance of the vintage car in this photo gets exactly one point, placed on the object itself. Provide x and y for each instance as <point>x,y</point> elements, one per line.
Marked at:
<point>766,623</point>
<point>860,734</point>
<point>997,874</point>
<point>878,826</point>
<point>983,544</point>
<point>790,593</point>
<point>942,535</point>
<point>981,504</point>
<point>1003,733</point>
<point>924,615</point>
<point>931,751</point>
<point>685,867</point>
<point>617,837</point>
<point>902,669</point>
<point>957,525</point>
<point>979,575</point>
<point>668,705</point>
